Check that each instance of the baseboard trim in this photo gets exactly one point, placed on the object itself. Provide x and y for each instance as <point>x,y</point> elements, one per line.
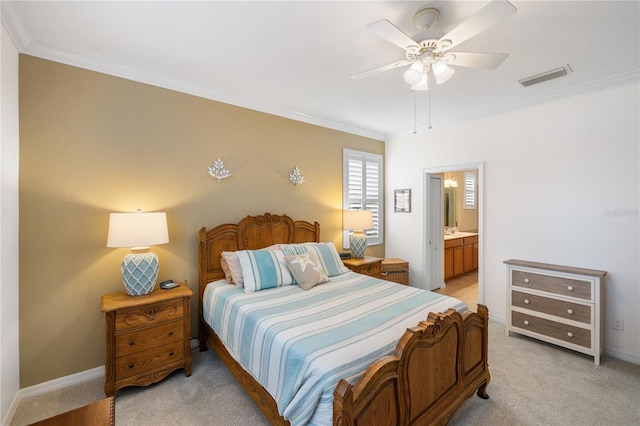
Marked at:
<point>622,355</point>
<point>61,383</point>
<point>50,386</point>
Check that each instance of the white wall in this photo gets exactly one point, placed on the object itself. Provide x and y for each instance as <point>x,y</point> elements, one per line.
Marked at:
<point>561,185</point>
<point>9,360</point>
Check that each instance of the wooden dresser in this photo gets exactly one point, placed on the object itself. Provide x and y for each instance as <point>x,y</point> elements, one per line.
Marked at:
<point>368,265</point>
<point>148,337</point>
<point>557,304</point>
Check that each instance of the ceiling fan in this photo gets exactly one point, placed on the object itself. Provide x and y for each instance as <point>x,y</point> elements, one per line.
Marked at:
<point>427,55</point>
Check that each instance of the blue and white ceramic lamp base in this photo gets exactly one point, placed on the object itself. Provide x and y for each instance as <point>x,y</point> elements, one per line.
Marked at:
<point>358,244</point>
<point>139,272</point>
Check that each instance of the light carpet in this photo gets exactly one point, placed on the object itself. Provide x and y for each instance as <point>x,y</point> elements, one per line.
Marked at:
<point>532,383</point>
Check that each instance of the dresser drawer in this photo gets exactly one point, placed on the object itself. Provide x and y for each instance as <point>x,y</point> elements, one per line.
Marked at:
<point>558,308</point>
<point>575,335</point>
<point>142,362</point>
<point>137,341</point>
<point>148,315</point>
<point>552,284</point>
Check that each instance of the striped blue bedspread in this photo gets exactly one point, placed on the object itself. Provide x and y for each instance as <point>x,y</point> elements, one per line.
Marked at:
<point>298,344</point>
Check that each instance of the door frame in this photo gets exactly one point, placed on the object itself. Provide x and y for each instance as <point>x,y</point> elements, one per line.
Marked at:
<point>479,166</point>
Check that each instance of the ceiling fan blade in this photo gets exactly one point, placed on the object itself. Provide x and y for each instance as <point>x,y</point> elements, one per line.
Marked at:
<point>380,69</point>
<point>487,61</point>
<point>483,19</point>
<point>391,33</point>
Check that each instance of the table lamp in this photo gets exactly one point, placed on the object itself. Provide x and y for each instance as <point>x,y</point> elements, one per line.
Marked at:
<point>138,231</point>
<point>357,221</point>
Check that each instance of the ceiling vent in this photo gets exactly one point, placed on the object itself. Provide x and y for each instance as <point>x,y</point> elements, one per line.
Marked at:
<point>545,76</point>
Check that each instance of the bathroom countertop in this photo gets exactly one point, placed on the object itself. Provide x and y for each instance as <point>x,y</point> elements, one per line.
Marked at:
<point>460,235</point>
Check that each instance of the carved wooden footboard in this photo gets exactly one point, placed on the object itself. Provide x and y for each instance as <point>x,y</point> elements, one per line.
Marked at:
<point>435,367</point>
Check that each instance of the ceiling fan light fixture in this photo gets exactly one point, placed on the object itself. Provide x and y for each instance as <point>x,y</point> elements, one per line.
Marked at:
<point>442,71</point>
<point>414,73</point>
<point>423,84</point>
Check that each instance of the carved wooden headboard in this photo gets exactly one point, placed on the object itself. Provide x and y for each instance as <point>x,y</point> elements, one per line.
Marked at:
<point>251,233</point>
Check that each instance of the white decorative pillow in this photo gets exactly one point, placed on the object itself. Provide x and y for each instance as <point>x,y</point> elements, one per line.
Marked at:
<point>225,268</point>
<point>234,267</point>
<point>326,252</point>
<point>263,269</point>
<point>306,269</point>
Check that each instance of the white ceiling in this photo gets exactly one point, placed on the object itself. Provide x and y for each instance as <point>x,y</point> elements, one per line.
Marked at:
<point>294,59</point>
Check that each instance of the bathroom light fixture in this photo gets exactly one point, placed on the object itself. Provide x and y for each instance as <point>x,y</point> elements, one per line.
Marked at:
<point>138,231</point>
<point>450,182</point>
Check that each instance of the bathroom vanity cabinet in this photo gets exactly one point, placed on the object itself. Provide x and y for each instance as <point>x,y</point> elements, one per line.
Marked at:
<point>460,254</point>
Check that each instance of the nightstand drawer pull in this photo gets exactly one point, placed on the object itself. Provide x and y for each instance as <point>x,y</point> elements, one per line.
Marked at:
<point>171,353</point>
<point>132,343</point>
<point>132,365</point>
<point>171,333</point>
<point>570,311</point>
<point>526,322</point>
<point>570,334</point>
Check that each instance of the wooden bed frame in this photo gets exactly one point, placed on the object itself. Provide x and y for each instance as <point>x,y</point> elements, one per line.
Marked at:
<point>437,364</point>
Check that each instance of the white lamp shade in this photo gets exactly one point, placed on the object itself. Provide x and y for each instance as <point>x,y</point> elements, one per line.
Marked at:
<point>442,71</point>
<point>357,220</point>
<point>137,229</point>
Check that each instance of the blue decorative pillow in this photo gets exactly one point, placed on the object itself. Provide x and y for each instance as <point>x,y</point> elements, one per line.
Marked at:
<point>263,269</point>
<point>326,252</point>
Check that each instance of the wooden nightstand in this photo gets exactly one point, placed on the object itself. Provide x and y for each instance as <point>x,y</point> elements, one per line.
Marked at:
<point>148,337</point>
<point>371,266</point>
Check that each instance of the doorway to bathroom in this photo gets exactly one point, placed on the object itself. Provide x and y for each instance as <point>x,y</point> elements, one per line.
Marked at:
<point>453,231</point>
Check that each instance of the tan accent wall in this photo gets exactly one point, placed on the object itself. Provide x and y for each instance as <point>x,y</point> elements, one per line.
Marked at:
<point>91,144</point>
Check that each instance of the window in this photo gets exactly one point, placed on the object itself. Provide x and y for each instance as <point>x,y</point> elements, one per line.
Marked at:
<point>362,190</point>
<point>469,189</point>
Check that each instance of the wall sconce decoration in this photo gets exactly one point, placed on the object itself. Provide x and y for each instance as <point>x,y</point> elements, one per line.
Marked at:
<point>218,171</point>
<point>295,177</point>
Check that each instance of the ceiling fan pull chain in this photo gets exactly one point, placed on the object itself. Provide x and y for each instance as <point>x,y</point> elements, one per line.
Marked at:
<point>414,113</point>
<point>429,127</point>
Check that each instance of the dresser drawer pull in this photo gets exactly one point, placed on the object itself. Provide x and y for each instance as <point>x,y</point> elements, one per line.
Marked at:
<point>526,280</point>
<point>570,311</point>
<point>526,301</point>
<point>526,322</point>
<point>570,334</point>
<point>132,365</point>
<point>132,343</point>
<point>171,353</point>
<point>171,333</point>
<point>570,288</point>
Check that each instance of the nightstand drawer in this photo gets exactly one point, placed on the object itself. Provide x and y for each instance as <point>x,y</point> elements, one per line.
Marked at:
<point>149,314</point>
<point>552,284</point>
<point>137,341</point>
<point>141,362</point>
<point>576,335</point>
<point>559,308</point>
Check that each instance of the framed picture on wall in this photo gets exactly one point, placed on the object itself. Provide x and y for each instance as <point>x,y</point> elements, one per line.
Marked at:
<point>402,200</point>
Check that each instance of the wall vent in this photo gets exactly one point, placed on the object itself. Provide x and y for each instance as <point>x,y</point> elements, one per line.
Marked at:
<point>545,76</point>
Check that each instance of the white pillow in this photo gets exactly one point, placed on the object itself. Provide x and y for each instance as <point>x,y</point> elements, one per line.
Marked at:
<point>234,267</point>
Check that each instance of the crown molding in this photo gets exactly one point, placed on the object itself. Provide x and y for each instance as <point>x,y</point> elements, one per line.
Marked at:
<point>16,26</point>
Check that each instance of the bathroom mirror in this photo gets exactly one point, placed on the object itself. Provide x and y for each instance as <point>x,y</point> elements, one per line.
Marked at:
<point>449,207</point>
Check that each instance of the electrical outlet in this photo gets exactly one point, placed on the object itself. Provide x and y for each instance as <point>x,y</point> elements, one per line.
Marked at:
<point>618,324</point>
